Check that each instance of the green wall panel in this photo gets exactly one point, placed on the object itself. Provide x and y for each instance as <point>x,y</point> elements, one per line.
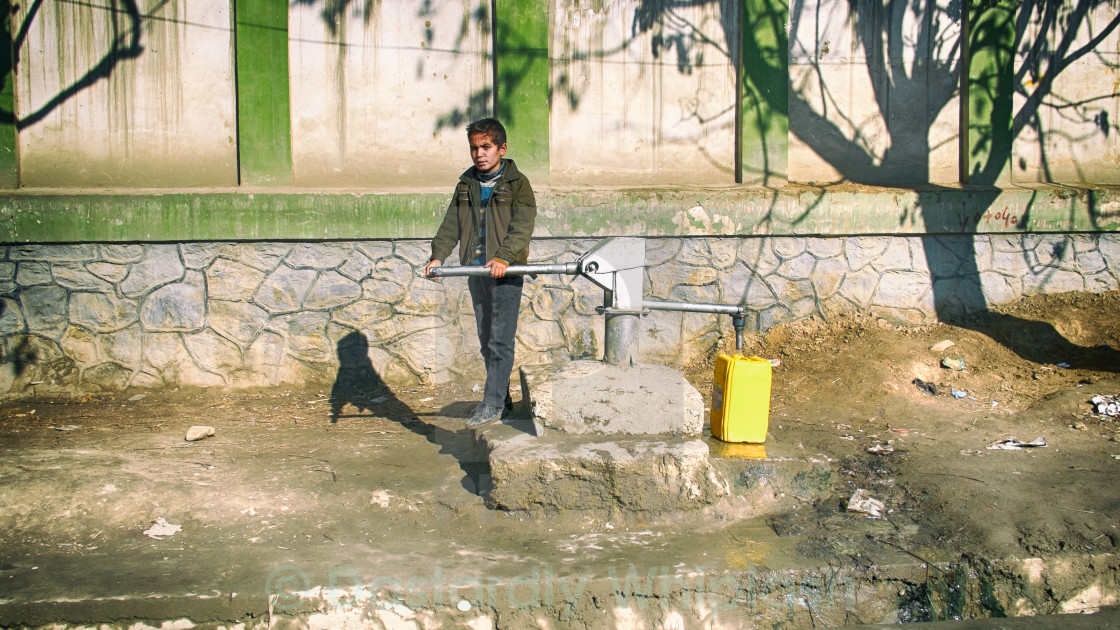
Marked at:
<point>263,107</point>
<point>990,89</point>
<point>764,90</point>
<point>9,167</point>
<point>521,48</point>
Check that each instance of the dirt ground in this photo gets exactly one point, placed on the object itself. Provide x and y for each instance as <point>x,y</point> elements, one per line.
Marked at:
<point>1030,370</point>
<point>396,476</point>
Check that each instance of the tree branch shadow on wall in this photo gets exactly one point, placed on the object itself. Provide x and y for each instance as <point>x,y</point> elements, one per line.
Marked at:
<point>125,44</point>
<point>958,294</point>
<point>904,159</point>
<point>358,385</point>
<point>334,12</point>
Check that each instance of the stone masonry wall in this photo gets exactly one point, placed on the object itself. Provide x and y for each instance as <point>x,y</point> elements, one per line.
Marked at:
<point>99,316</point>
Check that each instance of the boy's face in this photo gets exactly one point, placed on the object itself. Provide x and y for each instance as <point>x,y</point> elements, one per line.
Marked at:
<point>486,155</point>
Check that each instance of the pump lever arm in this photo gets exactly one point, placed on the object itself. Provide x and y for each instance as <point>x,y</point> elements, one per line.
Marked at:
<point>512,270</point>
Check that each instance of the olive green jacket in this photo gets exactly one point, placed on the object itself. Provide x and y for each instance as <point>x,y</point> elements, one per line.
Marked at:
<point>510,218</point>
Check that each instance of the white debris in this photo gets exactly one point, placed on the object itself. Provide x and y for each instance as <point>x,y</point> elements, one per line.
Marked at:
<point>380,498</point>
<point>463,605</point>
<point>199,432</point>
<point>1011,444</point>
<point>942,345</point>
<point>863,502</point>
<point>1106,405</point>
<point>881,449</point>
<point>161,528</point>
<point>137,397</point>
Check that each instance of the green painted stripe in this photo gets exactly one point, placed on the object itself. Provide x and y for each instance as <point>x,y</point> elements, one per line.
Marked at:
<point>764,89</point>
<point>217,216</point>
<point>793,210</point>
<point>263,107</point>
<point>521,47</point>
<point>9,166</point>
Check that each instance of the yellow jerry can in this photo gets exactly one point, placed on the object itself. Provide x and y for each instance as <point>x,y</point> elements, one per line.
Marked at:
<point>741,399</point>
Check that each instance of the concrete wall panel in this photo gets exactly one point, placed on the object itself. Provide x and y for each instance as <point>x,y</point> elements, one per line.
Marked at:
<point>1074,138</point>
<point>645,92</point>
<point>872,92</point>
<point>137,94</point>
<point>382,98</point>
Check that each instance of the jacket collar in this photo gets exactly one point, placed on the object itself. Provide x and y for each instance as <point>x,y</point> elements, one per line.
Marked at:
<point>509,173</point>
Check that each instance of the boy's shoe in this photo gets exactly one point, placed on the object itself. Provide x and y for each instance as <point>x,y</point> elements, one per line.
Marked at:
<point>508,406</point>
<point>483,415</point>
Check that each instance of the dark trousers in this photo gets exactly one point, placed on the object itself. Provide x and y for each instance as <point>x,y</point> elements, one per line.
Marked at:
<point>497,302</point>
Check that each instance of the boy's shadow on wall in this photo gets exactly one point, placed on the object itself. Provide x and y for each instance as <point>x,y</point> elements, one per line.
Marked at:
<point>358,385</point>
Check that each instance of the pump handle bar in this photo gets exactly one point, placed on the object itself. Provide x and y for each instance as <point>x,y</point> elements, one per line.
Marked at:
<point>570,269</point>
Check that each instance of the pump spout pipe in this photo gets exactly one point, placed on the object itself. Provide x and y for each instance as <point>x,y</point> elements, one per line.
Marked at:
<point>738,313</point>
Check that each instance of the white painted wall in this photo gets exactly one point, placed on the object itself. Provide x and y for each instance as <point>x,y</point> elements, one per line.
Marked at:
<point>622,114</point>
<point>380,97</point>
<point>165,118</point>
<point>383,99</point>
<point>1078,120</point>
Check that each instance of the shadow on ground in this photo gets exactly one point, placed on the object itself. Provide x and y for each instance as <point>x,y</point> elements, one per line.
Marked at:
<point>358,385</point>
<point>1041,342</point>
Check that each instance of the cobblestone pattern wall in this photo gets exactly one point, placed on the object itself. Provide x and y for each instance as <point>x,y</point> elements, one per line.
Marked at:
<point>259,314</point>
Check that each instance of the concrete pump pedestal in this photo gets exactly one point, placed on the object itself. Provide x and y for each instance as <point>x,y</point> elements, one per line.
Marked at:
<point>602,438</point>
<point>592,397</point>
<point>624,441</point>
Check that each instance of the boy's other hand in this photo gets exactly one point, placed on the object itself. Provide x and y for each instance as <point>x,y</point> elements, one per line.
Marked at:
<point>497,268</point>
<point>432,264</point>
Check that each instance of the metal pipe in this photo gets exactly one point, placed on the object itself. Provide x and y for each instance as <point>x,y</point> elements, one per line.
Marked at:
<point>620,345</point>
<point>738,313</point>
<point>739,322</point>
<point>513,270</point>
<point>695,307</point>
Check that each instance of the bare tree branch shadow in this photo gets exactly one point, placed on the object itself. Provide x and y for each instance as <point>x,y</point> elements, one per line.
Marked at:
<point>125,44</point>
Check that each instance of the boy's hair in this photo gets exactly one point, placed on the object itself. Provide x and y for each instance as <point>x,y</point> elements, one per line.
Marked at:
<point>490,127</point>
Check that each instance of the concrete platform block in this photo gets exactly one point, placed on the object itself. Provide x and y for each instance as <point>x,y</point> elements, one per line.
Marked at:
<point>558,471</point>
<point>647,475</point>
<point>768,479</point>
<point>592,397</point>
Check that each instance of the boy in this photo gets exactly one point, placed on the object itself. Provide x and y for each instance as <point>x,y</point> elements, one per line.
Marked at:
<point>491,218</point>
